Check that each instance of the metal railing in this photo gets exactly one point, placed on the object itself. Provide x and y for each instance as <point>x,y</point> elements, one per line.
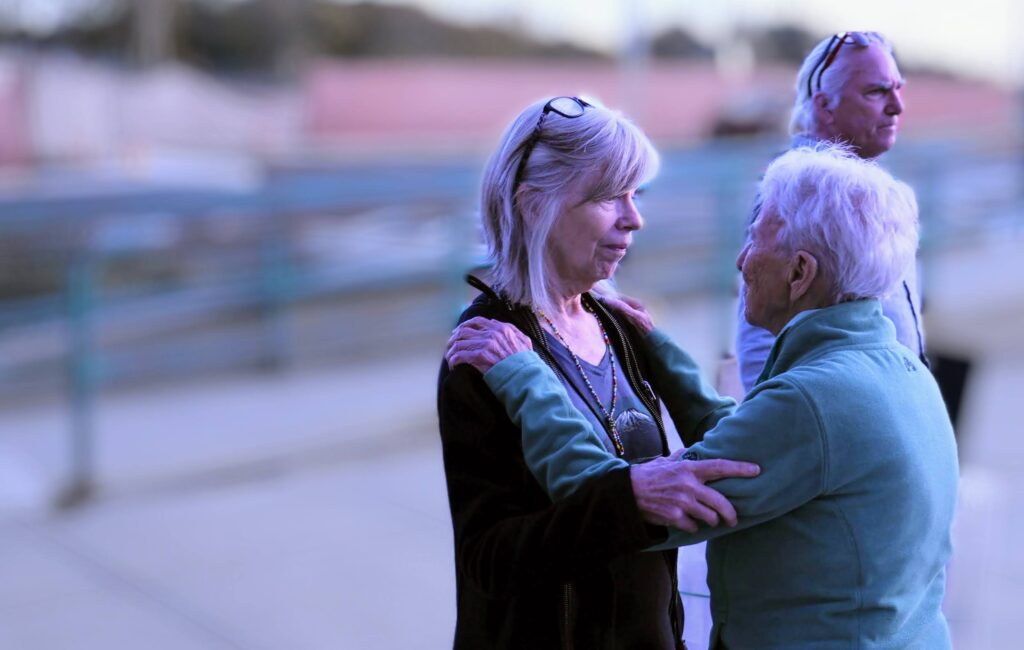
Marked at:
<point>148,285</point>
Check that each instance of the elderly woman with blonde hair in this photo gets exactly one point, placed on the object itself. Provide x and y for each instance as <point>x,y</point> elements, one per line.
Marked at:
<point>842,540</point>
<point>559,213</point>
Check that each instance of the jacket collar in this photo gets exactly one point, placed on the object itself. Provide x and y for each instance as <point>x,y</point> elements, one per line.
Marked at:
<point>815,332</point>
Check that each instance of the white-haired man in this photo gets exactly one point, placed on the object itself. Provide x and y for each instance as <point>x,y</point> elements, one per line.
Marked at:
<point>849,90</point>
<point>844,536</point>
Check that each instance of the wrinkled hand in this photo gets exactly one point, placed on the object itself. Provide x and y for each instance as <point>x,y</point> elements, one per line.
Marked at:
<point>482,342</point>
<point>632,310</point>
<point>671,492</point>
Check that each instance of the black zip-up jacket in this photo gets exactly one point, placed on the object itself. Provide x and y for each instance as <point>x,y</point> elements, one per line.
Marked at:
<point>530,573</point>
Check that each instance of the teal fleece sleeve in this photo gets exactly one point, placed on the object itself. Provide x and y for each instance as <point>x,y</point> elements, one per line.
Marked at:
<point>560,446</point>
<point>780,429</point>
<point>559,443</point>
<point>694,405</point>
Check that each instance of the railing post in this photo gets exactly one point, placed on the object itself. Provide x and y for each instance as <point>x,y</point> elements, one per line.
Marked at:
<point>81,378</point>
<point>277,290</point>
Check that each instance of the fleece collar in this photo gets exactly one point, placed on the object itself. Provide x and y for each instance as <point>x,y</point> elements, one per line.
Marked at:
<point>812,333</point>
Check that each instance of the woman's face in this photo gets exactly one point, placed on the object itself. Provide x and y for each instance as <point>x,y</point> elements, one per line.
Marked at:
<point>765,268</point>
<point>590,238</point>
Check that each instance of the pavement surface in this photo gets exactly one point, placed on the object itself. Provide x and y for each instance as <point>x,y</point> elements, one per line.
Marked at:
<point>306,510</point>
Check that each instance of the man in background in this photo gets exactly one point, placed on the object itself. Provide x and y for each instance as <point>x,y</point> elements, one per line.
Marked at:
<point>849,90</point>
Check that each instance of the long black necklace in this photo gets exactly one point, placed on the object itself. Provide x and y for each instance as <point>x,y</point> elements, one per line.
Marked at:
<point>609,413</point>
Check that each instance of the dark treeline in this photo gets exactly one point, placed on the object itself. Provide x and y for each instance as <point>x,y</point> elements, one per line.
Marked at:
<point>261,35</point>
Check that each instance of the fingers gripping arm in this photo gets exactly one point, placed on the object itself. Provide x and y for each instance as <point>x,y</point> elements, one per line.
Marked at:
<point>564,452</point>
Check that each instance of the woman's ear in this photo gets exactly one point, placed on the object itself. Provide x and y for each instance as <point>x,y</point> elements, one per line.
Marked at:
<point>526,201</point>
<point>802,275</point>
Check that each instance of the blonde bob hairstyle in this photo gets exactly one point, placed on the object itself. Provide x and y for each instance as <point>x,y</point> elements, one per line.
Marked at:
<point>857,220</point>
<point>600,147</point>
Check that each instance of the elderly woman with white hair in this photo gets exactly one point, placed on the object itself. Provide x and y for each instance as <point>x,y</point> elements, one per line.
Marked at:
<point>559,213</point>
<point>844,537</point>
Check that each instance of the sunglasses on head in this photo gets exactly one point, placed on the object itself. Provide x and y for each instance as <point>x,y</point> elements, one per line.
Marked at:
<point>565,106</point>
<point>861,39</point>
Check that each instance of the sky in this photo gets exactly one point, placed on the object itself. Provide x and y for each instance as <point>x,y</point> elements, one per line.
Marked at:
<point>981,38</point>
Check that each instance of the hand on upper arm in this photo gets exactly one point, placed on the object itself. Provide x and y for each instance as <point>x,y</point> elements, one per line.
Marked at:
<point>672,492</point>
<point>779,429</point>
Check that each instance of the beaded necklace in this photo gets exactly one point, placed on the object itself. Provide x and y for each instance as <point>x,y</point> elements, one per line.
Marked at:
<point>609,413</point>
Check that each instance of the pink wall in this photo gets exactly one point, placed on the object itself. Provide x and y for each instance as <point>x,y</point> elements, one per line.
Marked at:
<point>426,104</point>
<point>14,125</point>
<point>473,100</point>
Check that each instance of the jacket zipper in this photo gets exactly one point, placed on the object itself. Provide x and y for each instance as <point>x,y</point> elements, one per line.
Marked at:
<point>640,385</point>
<point>646,394</point>
<point>567,615</point>
<point>651,401</point>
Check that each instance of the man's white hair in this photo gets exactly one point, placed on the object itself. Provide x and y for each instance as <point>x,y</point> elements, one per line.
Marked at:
<point>802,119</point>
<point>600,147</point>
<point>858,221</point>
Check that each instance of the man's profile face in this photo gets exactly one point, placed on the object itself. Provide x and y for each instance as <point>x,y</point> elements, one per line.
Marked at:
<point>870,104</point>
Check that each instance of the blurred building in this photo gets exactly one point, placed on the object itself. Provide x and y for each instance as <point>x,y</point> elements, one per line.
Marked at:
<point>65,108</point>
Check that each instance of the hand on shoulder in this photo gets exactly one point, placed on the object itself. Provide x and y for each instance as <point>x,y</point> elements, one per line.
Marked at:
<point>482,342</point>
<point>632,310</point>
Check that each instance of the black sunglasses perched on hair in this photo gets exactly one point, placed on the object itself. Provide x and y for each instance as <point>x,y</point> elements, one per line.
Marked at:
<point>861,39</point>
<point>566,107</point>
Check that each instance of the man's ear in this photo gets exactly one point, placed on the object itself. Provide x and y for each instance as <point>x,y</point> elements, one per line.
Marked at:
<point>802,274</point>
<point>823,115</point>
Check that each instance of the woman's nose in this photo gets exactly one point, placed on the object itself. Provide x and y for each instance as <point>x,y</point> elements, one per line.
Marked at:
<point>631,219</point>
<point>742,257</point>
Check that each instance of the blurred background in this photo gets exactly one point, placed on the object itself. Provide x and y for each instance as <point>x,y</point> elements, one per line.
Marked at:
<point>232,241</point>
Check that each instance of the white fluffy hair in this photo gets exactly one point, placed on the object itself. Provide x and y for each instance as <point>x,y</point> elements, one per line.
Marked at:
<point>853,216</point>
<point>802,119</point>
<point>600,147</point>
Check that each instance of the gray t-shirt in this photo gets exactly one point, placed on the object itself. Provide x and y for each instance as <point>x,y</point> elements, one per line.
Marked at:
<point>634,422</point>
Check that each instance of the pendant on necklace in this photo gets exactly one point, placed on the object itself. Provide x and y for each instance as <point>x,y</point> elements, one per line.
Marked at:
<point>613,432</point>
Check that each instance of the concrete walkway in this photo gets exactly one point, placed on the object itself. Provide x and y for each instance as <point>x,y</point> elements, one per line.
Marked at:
<point>292,511</point>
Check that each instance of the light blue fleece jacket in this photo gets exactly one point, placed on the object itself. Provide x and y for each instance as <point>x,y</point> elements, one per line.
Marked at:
<point>844,536</point>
